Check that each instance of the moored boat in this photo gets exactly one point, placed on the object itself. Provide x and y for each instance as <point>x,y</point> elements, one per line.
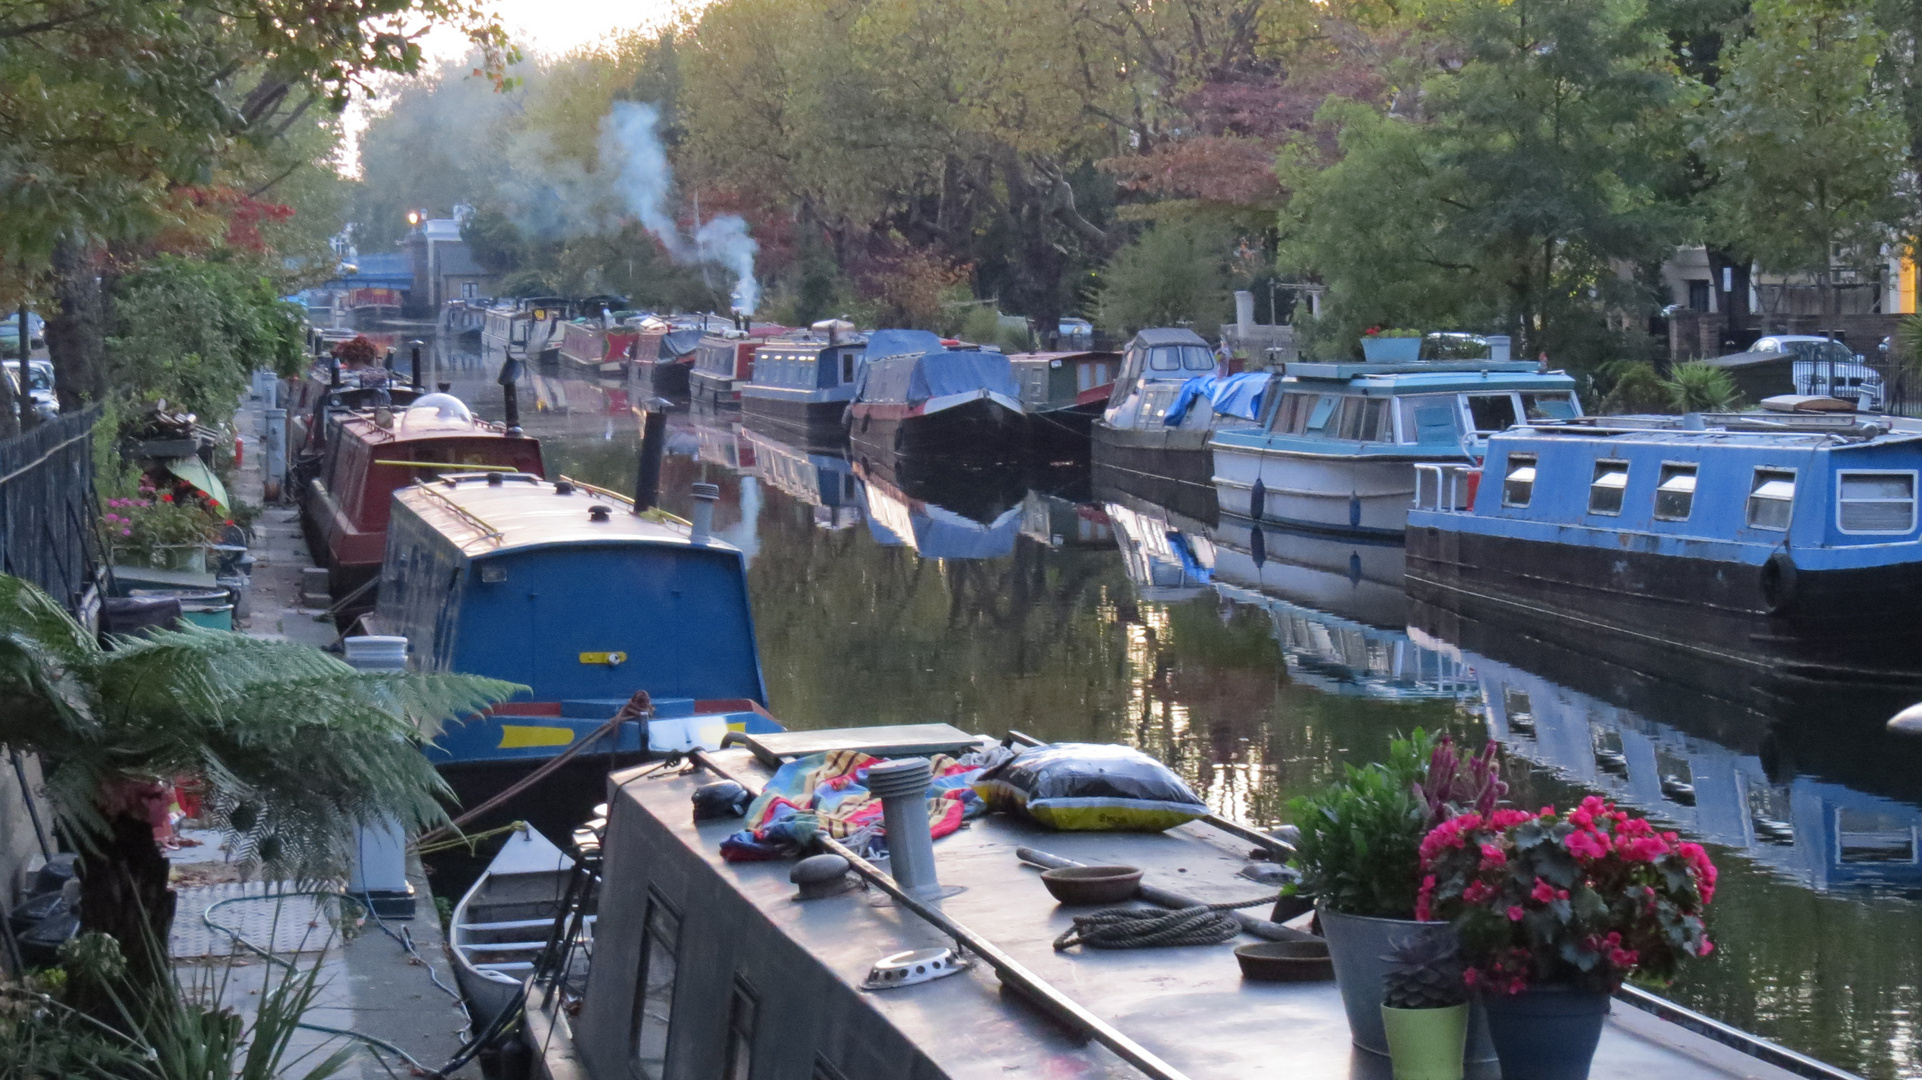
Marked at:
<point>1157,384</point>
<point>501,925</point>
<point>372,453</point>
<point>1064,393</point>
<point>801,389</point>
<point>1783,543</point>
<point>951,403</point>
<point>1339,448</point>
<point>723,366</point>
<point>591,348</point>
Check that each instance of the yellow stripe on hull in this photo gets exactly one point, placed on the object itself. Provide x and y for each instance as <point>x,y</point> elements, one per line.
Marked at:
<point>524,736</point>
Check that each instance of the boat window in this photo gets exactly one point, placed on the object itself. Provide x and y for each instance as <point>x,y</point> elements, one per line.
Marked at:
<point>1431,420</point>
<point>1197,358</point>
<point>1352,411</point>
<point>1605,491</point>
<point>654,991</point>
<point>1548,406</point>
<point>1491,412</point>
<point>1321,418</point>
<point>1876,502</point>
<point>1518,485</point>
<point>740,1032</point>
<point>847,367</point>
<point>1374,417</point>
<point>1675,492</point>
<point>1165,358</point>
<point>1770,497</point>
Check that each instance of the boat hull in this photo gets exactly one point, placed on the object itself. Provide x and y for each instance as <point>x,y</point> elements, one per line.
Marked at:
<point>979,430</point>
<point>1174,469</point>
<point>815,423</point>
<point>719,393</point>
<point>1061,434</point>
<point>1847,624</point>
<point>667,378</point>
<point>1358,494</point>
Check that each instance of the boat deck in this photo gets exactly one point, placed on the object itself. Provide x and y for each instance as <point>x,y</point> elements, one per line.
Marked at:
<point>1188,1005</point>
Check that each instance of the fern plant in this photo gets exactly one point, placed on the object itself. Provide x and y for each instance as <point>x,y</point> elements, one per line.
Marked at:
<point>292,748</point>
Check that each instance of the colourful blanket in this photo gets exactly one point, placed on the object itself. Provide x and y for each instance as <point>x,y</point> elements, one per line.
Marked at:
<point>828,793</point>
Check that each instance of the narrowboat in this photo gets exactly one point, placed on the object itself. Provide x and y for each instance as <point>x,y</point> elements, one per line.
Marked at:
<point>968,523</point>
<point>1777,542</point>
<point>838,969</point>
<point>950,403</point>
<point>1339,449</point>
<point>1064,393</point>
<point>594,349</point>
<point>563,588</point>
<point>663,359</point>
<point>1153,436</point>
<point>723,366</point>
<point>524,329</point>
<point>801,389</point>
<point>371,454</point>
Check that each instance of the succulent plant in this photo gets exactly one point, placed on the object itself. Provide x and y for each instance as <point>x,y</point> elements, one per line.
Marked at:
<point>1426,973</point>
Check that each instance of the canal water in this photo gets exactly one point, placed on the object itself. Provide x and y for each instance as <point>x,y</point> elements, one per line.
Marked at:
<point>1257,663</point>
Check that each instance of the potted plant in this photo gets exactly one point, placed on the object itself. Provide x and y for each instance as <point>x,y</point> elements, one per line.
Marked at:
<point>1359,856</point>
<point>1392,346</point>
<point>1424,1008</point>
<point>1554,911</point>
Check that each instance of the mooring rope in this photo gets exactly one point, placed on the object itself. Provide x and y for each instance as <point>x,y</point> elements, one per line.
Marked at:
<point>1146,928</point>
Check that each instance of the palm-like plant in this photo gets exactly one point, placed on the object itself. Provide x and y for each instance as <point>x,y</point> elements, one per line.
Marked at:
<point>293,749</point>
<point>1697,387</point>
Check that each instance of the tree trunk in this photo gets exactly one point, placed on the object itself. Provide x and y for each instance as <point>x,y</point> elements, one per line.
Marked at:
<point>77,326</point>
<point>124,894</point>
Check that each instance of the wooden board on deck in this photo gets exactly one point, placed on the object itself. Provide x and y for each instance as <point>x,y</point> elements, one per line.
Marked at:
<point>897,740</point>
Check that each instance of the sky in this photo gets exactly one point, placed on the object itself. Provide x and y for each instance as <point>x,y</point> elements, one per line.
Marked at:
<point>554,27</point>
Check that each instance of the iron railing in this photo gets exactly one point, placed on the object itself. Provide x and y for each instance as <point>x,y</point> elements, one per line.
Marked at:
<point>47,507</point>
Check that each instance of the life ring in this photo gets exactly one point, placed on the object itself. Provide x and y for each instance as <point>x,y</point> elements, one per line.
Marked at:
<point>1778,576</point>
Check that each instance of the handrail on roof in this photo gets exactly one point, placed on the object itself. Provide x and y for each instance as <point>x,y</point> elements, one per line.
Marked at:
<point>653,513</point>
<point>488,532</point>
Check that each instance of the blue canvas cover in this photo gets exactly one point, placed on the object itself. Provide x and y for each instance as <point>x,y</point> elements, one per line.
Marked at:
<point>1236,395</point>
<point>678,343</point>
<point>916,378</point>
<point>897,342</point>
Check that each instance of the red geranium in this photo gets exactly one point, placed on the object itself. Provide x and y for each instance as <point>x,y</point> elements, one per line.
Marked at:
<point>1587,898</point>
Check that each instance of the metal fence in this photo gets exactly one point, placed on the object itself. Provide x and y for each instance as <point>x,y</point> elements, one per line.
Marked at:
<point>47,508</point>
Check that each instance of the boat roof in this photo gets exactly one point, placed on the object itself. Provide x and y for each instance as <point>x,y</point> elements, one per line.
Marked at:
<point>1050,357</point>
<point>522,512</point>
<point>1729,429</point>
<point>1190,1006</point>
<point>1418,372</point>
<point>1169,335</point>
<point>420,421</point>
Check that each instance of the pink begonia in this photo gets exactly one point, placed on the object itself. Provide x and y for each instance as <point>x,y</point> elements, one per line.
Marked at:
<point>1543,892</point>
<point>1493,856</point>
<point>1515,913</point>
<point>1707,947</point>
<point>1504,819</point>
<point>1642,849</point>
<point>1587,845</point>
<point>126,532</point>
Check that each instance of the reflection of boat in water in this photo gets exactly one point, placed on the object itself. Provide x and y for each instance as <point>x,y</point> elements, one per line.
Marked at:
<point>1058,522</point>
<point>823,481</point>
<point>1169,557</point>
<point>1357,577</point>
<point>720,441</point>
<point>936,531</point>
<point>1724,769</point>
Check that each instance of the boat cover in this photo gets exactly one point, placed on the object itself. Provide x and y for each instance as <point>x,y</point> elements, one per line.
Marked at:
<point>678,343</point>
<point>1234,395</point>
<point>913,379</point>
<point>896,342</point>
<point>829,792</point>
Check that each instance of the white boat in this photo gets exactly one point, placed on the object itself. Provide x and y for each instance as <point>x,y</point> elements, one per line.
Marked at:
<point>503,923</point>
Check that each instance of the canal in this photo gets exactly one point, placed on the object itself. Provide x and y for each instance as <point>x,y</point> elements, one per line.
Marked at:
<point>1257,663</point>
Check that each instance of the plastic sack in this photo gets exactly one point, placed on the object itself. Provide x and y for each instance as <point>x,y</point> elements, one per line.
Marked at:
<point>1090,787</point>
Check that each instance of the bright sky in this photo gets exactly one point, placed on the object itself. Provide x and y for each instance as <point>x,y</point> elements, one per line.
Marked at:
<point>553,27</point>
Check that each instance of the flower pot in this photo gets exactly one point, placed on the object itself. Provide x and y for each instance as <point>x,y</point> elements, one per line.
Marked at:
<point>1546,1032</point>
<point>1426,1044</point>
<point>1357,945</point>
<point>1398,350</point>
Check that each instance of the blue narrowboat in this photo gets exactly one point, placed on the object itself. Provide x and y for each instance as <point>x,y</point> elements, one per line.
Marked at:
<point>1787,544</point>
<point>1339,448</point>
<point>935,400</point>
<point>560,586</point>
<point>801,389</point>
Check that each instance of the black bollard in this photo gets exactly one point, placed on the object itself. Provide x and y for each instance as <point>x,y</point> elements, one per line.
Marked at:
<point>417,383</point>
<point>509,376</point>
<point>647,480</point>
<point>444,387</point>
<point>333,373</point>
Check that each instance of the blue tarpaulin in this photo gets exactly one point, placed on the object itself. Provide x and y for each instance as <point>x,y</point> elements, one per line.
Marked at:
<point>678,343</point>
<point>1236,395</point>
<point>916,378</point>
<point>896,342</point>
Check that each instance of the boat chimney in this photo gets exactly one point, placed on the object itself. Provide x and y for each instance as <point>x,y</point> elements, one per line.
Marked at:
<point>1498,348</point>
<point>379,874</point>
<point>416,347</point>
<point>647,480</point>
<point>388,362</point>
<point>902,786</point>
<point>510,394</point>
<point>705,496</point>
<point>333,372</point>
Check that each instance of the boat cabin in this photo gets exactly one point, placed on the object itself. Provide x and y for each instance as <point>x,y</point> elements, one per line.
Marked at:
<point>561,587</point>
<point>371,454</point>
<point>1065,380</point>
<point>593,347</point>
<point>722,366</point>
<point>1154,365</point>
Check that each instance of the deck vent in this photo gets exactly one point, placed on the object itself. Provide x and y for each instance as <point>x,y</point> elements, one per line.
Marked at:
<point>494,479</point>
<point>909,968</point>
<point>563,488</point>
<point>705,496</point>
<point>902,786</point>
<point>598,512</point>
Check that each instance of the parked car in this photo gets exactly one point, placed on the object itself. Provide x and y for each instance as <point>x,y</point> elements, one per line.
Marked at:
<point>10,333</point>
<point>40,385</point>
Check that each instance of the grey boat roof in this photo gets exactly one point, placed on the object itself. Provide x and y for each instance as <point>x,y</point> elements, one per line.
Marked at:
<point>1190,1005</point>
<point>1169,335</point>
<point>523,512</point>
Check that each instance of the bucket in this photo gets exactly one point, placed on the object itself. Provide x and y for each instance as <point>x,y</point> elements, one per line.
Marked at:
<point>376,652</point>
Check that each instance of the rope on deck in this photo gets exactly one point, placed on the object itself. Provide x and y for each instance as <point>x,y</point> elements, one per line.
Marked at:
<point>1147,928</point>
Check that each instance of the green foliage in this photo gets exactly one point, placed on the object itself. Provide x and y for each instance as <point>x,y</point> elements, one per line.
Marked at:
<point>1425,972</point>
<point>191,331</point>
<point>298,745</point>
<point>1360,836</point>
<point>1636,388</point>
<point>1174,275</point>
<point>1698,387</point>
<point>142,526</point>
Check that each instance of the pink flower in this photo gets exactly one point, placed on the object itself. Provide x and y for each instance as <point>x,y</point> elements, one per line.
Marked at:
<point>1477,892</point>
<point>1515,913</point>
<point>1587,845</point>
<point>1504,819</point>
<point>1543,893</point>
<point>126,532</point>
<point>1623,958</point>
<point>1493,856</point>
<point>1707,947</point>
<point>1547,811</point>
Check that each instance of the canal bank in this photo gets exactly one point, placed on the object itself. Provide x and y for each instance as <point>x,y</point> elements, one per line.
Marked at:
<point>1257,668</point>
<point>386,984</point>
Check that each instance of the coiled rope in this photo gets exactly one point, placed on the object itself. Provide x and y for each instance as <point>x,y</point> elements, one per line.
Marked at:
<point>1147,928</point>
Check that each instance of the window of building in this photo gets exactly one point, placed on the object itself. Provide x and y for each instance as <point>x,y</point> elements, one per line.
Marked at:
<point>1675,492</point>
<point>469,290</point>
<point>1698,296</point>
<point>1875,502</point>
<point>1605,490</point>
<point>653,1017</point>
<point>1771,496</point>
<point>1518,485</point>
<point>1491,412</point>
<point>740,1032</point>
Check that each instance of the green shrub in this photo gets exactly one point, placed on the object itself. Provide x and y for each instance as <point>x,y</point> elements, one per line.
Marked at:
<point>1361,836</point>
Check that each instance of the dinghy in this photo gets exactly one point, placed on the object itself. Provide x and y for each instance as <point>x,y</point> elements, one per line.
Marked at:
<point>503,923</point>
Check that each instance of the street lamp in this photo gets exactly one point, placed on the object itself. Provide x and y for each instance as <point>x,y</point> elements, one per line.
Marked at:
<point>413,217</point>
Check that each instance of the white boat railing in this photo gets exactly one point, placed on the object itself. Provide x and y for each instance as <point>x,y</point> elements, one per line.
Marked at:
<point>1442,488</point>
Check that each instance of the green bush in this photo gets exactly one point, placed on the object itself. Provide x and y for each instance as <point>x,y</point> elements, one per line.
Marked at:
<point>1361,836</point>
<point>1173,275</point>
<point>191,331</point>
<point>1697,387</point>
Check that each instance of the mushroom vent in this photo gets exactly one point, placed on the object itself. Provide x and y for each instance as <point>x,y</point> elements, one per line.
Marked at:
<point>909,968</point>
<point>598,512</point>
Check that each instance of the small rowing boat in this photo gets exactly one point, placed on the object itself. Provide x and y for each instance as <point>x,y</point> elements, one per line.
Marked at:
<point>503,923</point>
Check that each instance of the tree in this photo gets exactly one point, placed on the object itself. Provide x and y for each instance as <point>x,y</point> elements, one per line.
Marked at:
<point>291,747</point>
<point>1173,275</point>
<point>190,331</point>
<point>1808,146</point>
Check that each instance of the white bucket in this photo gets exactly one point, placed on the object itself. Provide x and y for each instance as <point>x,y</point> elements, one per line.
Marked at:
<point>376,653</point>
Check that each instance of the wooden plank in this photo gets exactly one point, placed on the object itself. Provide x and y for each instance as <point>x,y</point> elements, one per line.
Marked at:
<point>898,740</point>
